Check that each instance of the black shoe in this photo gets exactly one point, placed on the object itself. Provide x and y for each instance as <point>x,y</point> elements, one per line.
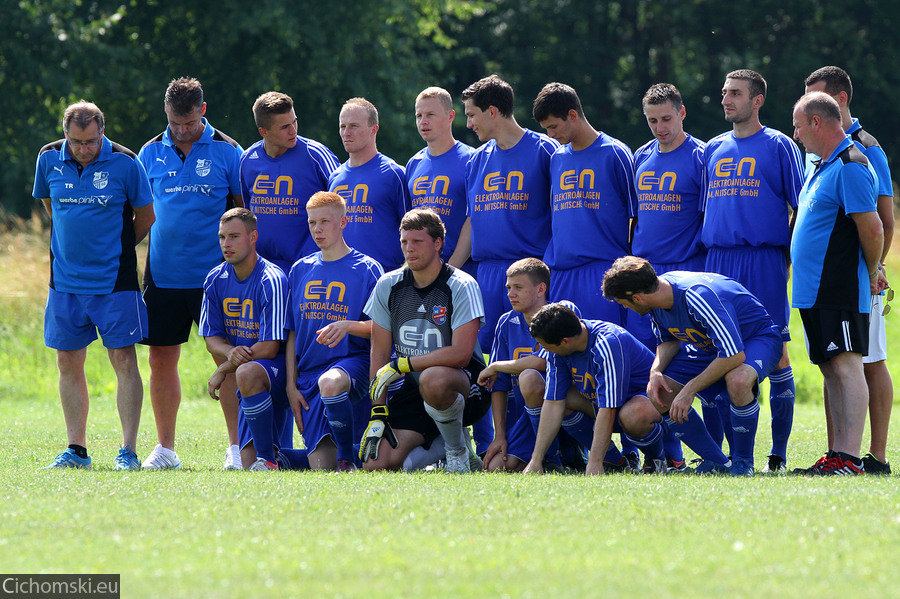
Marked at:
<point>814,468</point>
<point>775,465</point>
<point>874,466</point>
<point>634,461</point>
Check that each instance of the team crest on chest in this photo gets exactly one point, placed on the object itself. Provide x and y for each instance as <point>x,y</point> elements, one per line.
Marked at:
<point>203,166</point>
<point>101,179</point>
<point>439,315</point>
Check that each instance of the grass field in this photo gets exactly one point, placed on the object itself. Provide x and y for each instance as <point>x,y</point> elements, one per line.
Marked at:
<point>201,532</point>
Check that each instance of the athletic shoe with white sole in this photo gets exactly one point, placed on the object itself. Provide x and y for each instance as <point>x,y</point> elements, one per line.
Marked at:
<point>161,459</point>
<point>458,463</point>
<point>127,459</point>
<point>233,458</point>
<point>263,465</point>
<point>70,459</point>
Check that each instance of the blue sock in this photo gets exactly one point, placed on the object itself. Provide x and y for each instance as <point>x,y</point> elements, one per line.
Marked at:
<point>483,432</point>
<point>723,404</point>
<point>293,459</point>
<point>627,445</point>
<point>781,401</point>
<point>713,422</point>
<point>672,446</point>
<point>534,415</point>
<point>339,412</point>
<point>613,455</point>
<point>651,445</point>
<point>258,414</point>
<point>744,421</point>
<point>580,427</point>
<point>693,433</point>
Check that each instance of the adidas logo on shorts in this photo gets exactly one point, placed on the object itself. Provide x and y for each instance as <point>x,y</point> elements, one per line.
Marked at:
<point>832,347</point>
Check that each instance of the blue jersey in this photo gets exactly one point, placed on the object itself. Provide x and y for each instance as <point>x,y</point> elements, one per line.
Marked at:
<point>829,268</point>
<point>593,197</point>
<point>439,183</point>
<point>508,193</point>
<point>277,189</point>
<point>376,199</point>
<point>750,185</point>
<point>190,194</point>
<point>611,370</point>
<point>712,313</point>
<point>321,293</point>
<point>512,341</point>
<point>669,217</point>
<point>244,311</point>
<point>92,239</point>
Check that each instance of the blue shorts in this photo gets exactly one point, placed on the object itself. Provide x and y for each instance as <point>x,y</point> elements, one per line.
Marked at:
<point>583,287</point>
<point>315,421</point>
<point>282,417</point>
<point>72,321</point>
<point>520,438</point>
<point>760,353</point>
<point>763,271</point>
<point>492,281</point>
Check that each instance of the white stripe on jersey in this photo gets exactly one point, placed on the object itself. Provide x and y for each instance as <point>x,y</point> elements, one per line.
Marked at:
<point>326,159</point>
<point>612,384</point>
<point>712,320</point>
<point>277,301</point>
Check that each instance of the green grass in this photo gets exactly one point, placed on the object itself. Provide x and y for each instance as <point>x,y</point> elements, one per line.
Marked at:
<point>201,532</point>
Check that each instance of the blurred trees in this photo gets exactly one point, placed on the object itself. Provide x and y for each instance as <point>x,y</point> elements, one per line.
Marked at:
<point>122,55</point>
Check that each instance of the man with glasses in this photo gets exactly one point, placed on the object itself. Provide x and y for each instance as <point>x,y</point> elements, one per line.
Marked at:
<point>99,201</point>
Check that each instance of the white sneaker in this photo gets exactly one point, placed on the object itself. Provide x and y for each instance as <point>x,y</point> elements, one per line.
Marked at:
<point>262,465</point>
<point>458,463</point>
<point>161,459</point>
<point>233,458</point>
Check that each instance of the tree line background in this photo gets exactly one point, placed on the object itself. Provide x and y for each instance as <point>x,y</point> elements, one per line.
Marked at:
<point>122,54</point>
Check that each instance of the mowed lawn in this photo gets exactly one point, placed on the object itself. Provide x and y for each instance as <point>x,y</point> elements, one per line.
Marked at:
<point>201,532</point>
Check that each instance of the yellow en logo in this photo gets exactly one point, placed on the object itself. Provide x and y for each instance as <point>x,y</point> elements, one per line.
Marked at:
<point>359,193</point>
<point>692,336</point>
<point>521,352</point>
<point>493,181</point>
<point>316,290</point>
<point>648,181</point>
<point>727,168</point>
<point>263,185</point>
<point>424,185</point>
<point>586,380</point>
<point>235,308</point>
<point>568,179</point>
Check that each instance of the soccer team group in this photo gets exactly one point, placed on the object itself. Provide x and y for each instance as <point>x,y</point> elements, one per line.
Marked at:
<point>669,282</point>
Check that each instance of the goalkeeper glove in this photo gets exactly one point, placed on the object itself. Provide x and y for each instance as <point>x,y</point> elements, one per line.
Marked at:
<point>386,375</point>
<point>378,428</point>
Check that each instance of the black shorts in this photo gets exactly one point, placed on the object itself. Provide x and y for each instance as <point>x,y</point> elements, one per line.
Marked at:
<point>833,332</point>
<point>407,408</point>
<point>170,313</point>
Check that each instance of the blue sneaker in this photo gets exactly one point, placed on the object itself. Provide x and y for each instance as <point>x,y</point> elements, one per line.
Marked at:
<point>741,467</point>
<point>70,459</point>
<point>709,467</point>
<point>127,459</point>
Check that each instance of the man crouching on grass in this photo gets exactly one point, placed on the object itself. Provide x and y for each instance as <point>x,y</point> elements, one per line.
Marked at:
<point>608,366</point>
<point>429,313</point>
<point>712,336</point>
